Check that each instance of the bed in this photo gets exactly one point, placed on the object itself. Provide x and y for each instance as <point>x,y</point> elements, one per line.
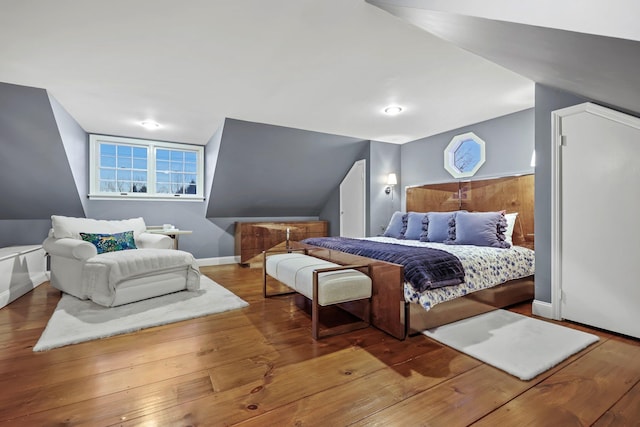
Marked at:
<point>493,276</point>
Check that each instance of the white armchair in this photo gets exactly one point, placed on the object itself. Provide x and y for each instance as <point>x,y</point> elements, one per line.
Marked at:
<point>119,277</point>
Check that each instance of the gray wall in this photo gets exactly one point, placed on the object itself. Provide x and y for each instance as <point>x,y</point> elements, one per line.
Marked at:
<point>76,145</point>
<point>547,100</point>
<point>35,176</point>
<point>509,144</point>
<point>385,159</point>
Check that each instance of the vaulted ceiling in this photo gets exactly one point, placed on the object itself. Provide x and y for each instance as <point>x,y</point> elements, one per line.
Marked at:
<point>322,65</point>
<point>587,47</point>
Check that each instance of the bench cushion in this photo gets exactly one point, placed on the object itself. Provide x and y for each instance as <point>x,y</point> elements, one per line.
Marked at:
<point>296,271</point>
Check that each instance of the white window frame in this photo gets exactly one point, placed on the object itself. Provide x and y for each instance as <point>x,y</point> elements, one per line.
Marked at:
<point>450,155</point>
<point>152,146</point>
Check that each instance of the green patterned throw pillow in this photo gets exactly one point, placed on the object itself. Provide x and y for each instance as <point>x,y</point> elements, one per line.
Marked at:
<point>110,242</point>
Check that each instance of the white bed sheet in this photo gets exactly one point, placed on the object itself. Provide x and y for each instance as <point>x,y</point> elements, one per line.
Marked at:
<point>484,267</point>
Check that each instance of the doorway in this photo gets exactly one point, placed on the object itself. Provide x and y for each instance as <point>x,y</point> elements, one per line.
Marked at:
<point>353,201</point>
<point>595,238</point>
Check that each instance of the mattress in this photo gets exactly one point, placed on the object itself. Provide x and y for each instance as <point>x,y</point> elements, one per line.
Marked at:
<point>484,268</point>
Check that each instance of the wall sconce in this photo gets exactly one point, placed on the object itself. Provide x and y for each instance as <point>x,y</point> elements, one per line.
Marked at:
<point>391,181</point>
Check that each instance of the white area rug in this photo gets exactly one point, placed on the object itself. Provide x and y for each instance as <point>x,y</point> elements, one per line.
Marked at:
<point>75,320</point>
<point>522,346</point>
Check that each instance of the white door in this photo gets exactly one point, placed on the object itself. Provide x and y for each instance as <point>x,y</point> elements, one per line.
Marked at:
<point>353,198</point>
<point>598,209</point>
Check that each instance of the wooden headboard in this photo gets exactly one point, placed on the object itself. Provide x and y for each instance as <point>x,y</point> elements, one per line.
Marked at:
<point>512,194</point>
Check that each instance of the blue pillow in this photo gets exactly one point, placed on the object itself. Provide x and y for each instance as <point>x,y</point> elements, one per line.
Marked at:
<point>436,226</point>
<point>396,225</point>
<point>480,229</point>
<point>110,242</point>
<point>414,225</point>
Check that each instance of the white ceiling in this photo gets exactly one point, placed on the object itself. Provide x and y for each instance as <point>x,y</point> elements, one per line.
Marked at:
<point>613,18</point>
<point>322,65</point>
<point>587,47</point>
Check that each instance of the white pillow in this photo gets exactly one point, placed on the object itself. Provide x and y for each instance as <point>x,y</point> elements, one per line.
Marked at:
<point>65,226</point>
<point>511,222</point>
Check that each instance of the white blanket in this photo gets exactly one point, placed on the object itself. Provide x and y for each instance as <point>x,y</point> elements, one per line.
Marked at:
<point>102,274</point>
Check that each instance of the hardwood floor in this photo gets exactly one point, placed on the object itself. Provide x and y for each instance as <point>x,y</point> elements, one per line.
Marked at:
<point>259,366</point>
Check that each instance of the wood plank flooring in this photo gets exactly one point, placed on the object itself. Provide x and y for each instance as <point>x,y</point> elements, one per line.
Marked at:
<point>258,366</point>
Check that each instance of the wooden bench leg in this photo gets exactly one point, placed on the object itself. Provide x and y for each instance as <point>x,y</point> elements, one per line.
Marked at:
<point>315,309</point>
<point>264,274</point>
<point>315,315</point>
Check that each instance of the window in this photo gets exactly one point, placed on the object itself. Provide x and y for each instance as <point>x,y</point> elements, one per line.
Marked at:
<point>137,168</point>
<point>464,155</point>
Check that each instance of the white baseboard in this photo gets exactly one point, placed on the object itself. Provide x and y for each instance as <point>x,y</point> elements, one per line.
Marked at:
<point>205,262</point>
<point>542,309</point>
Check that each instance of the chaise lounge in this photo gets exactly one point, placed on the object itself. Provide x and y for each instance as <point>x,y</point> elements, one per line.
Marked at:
<point>116,262</point>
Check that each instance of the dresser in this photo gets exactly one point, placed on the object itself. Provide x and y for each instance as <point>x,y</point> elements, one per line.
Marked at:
<point>251,238</point>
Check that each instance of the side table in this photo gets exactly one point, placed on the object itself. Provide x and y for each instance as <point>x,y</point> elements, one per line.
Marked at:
<point>174,233</point>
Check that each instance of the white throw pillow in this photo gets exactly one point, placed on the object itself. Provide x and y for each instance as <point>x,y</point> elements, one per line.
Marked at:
<point>511,222</point>
<point>65,226</point>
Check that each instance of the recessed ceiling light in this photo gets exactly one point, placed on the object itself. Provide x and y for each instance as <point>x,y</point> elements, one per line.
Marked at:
<point>392,110</point>
<point>150,124</point>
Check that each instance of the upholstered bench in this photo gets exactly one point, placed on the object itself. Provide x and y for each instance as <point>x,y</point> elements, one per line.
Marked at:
<point>324,283</point>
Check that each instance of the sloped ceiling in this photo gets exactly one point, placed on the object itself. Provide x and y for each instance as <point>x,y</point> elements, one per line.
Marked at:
<point>329,66</point>
<point>580,57</point>
<point>266,170</point>
<point>35,178</point>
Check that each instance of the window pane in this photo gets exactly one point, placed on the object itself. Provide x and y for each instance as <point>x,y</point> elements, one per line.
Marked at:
<point>176,178</point>
<point>124,150</point>
<point>124,162</point>
<point>108,186</point>
<point>139,187</point>
<point>162,188</point>
<point>140,153</point>
<point>162,154</point>
<point>124,187</point>
<point>177,156</point>
<point>190,167</point>
<point>140,164</point>
<point>176,167</point>
<point>162,177</point>
<point>190,156</point>
<point>162,166</point>
<point>109,174</point>
<point>107,150</point>
<point>191,188</point>
<point>177,189</point>
<point>108,161</point>
<point>124,175</point>
<point>140,176</point>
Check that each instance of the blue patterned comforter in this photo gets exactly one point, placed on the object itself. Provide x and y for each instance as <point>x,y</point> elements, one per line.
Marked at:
<point>484,267</point>
<point>424,268</point>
